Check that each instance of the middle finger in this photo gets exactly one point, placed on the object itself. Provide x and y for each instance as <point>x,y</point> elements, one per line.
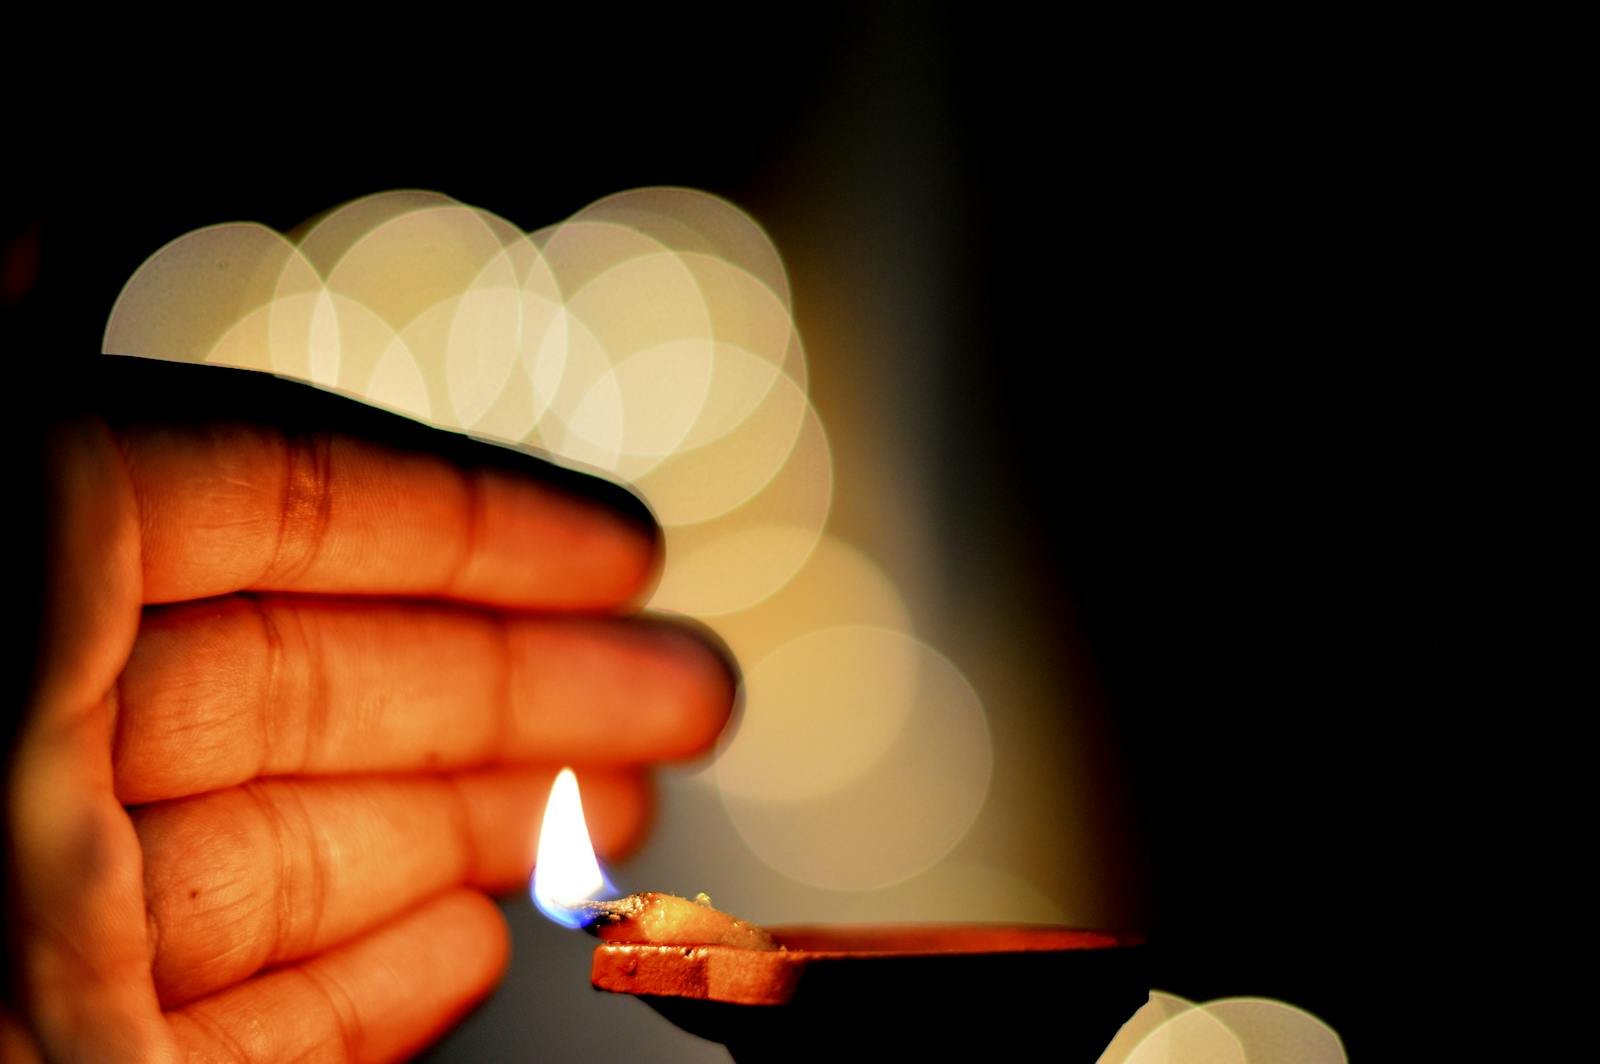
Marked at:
<point>226,690</point>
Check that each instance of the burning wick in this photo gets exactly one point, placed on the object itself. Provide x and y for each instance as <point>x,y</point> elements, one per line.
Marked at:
<point>570,888</point>
<point>566,874</point>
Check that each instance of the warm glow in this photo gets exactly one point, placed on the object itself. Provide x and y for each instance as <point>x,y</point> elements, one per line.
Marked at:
<point>743,557</point>
<point>820,812</point>
<point>1228,1030</point>
<point>1152,1015</point>
<point>702,484</point>
<point>688,220</point>
<point>420,258</point>
<point>566,873</point>
<point>651,337</point>
<point>191,292</point>
<point>952,891</point>
<point>1190,1034</point>
<point>839,585</point>
<point>823,709</point>
<point>1276,1030</point>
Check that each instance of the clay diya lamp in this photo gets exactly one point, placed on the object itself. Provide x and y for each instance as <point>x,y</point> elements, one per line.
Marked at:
<point>892,992</point>
<point>865,992</point>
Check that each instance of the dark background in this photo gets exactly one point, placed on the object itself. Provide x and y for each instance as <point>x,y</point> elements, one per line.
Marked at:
<point>1228,356</point>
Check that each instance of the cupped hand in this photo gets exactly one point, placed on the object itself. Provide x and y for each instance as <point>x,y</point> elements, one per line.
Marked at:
<point>301,690</point>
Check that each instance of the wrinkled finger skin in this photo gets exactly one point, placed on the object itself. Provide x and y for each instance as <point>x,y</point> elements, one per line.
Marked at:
<point>177,488</point>
<point>227,690</point>
<point>277,871</point>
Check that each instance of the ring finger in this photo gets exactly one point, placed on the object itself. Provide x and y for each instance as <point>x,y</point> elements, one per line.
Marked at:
<point>277,870</point>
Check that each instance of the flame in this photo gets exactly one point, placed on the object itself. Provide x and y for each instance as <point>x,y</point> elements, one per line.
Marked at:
<point>566,873</point>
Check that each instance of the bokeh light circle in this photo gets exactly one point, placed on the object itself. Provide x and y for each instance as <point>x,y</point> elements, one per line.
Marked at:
<point>1172,1030</point>
<point>323,240</point>
<point>1151,1015</point>
<point>687,219</point>
<point>958,893</point>
<point>839,585</point>
<point>1275,1030</point>
<point>1190,1036</point>
<point>184,298</point>
<point>744,557</point>
<point>702,484</point>
<point>417,260</point>
<point>880,822</point>
<point>819,712</point>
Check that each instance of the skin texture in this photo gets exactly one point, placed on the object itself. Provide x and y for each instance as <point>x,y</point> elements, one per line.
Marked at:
<point>299,699</point>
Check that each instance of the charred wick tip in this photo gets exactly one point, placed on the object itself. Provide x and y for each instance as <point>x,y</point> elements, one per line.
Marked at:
<point>598,914</point>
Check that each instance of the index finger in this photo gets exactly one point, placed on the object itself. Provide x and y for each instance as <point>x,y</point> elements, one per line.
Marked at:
<point>260,484</point>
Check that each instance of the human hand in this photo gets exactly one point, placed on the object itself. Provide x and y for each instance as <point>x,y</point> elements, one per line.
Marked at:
<point>300,695</point>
